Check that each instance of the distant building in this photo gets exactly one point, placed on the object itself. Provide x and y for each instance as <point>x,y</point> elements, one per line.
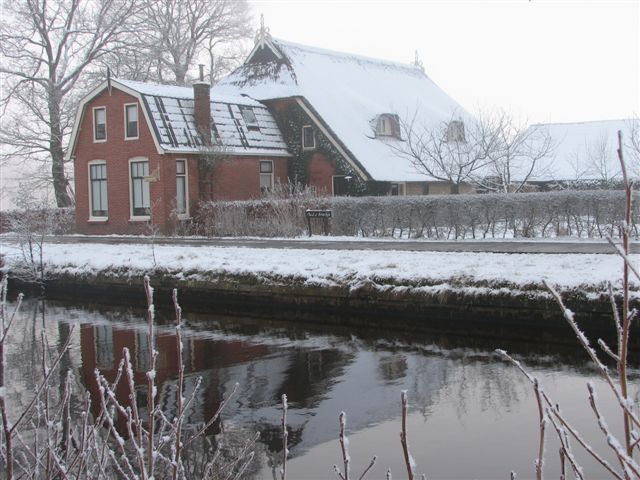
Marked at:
<point>584,154</point>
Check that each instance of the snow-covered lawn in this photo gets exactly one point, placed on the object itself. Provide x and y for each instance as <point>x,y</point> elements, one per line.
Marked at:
<point>339,267</point>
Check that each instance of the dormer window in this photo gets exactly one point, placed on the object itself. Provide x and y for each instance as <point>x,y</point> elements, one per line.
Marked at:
<point>308,138</point>
<point>388,125</point>
<point>250,119</point>
<point>455,131</point>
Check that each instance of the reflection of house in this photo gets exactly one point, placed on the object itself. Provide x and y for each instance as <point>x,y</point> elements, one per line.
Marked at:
<point>585,154</point>
<point>102,346</point>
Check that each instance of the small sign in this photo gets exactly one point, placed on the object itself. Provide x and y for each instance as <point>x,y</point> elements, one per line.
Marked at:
<point>318,213</point>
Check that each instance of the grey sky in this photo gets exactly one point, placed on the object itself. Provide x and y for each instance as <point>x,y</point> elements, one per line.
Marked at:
<point>546,61</point>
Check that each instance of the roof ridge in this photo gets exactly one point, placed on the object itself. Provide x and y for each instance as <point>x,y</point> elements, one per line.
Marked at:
<point>347,55</point>
<point>583,122</point>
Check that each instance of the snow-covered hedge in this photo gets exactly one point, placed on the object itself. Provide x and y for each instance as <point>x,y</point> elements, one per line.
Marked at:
<point>58,221</point>
<point>582,214</point>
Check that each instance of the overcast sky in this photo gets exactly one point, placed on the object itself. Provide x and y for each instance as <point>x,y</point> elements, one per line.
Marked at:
<point>546,61</point>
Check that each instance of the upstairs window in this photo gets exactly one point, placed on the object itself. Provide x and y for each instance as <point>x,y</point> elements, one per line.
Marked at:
<point>388,125</point>
<point>266,176</point>
<point>308,138</point>
<point>249,118</point>
<point>455,131</point>
<point>131,121</point>
<point>99,124</point>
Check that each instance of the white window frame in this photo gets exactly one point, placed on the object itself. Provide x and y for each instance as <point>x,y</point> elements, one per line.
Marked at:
<point>92,217</point>
<point>185,215</point>
<point>132,217</point>
<point>314,137</point>
<point>402,189</point>
<point>261,173</point>
<point>93,124</point>
<point>126,121</point>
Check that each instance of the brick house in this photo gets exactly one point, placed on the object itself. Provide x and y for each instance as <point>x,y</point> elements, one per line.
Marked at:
<point>146,154</point>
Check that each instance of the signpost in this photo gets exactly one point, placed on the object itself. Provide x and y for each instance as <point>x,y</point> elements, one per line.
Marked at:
<point>325,215</point>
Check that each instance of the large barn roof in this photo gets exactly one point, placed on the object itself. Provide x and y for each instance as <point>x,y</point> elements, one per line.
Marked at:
<point>348,92</point>
<point>586,150</point>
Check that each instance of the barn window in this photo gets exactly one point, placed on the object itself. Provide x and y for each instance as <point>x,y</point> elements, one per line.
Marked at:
<point>455,131</point>
<point>308,138</point>
<point>387,125</point>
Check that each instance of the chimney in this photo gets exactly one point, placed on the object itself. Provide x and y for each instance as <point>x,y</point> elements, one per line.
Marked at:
<point>202,107</point>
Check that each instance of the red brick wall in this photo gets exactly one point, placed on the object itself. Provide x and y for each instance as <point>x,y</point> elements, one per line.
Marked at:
<point>238,178</point>
<point>321,171</point>
<point>117,151</point>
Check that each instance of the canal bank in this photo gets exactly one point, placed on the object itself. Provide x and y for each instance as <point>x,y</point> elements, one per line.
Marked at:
<point>388,289</point>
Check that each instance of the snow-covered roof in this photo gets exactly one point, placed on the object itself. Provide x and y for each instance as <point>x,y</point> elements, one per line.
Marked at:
<point>347,92</point>
<point>586,150</point>
<point>170,111</point>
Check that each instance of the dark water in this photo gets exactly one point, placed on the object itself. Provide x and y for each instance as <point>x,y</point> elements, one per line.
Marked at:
<point>471,415</point>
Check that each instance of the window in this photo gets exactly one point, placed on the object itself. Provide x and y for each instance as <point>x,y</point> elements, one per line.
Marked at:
<point>103,336</point>
<point>99,124</point>
<point>455,131</point>
<point>266,176</point>
<point>388,125</point>
<point>131,121</point>
<point>397,189</point>
<point>308,137</point>
<point>250,119</point>
<point>140,199</point>
<point>98,189</point>
<point>181,188</point>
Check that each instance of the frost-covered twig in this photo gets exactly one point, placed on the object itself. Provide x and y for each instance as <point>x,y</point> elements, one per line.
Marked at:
<point>176,460</point>
<point>408,459</point>
<point>602,368</point>
<point>344,447</point>
<point>285,436</point>
<point>626,462</point>
<point>553,411</point>
<point>566,448</point>
<point>543,424</point>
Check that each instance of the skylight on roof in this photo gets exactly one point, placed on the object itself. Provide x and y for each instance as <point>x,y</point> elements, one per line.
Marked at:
<point>249,117</point>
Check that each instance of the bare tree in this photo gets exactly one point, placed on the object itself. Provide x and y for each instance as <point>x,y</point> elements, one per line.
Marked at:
<point>516,153</point>
<point>46,47</point>
<point>180,32</point>
<point>452,151</point>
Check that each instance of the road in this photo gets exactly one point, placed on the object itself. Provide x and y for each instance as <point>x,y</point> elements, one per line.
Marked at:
<point>490,246</point>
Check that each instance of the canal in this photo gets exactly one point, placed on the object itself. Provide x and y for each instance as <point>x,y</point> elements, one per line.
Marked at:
<point>471,414</point>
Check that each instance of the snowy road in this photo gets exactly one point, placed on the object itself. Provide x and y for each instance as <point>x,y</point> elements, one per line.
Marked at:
<point>338,243</point>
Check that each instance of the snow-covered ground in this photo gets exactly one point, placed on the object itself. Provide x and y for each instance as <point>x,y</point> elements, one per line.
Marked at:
<point>339,267</point>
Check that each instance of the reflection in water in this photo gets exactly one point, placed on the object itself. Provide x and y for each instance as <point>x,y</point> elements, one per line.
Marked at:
<point>461,397</point>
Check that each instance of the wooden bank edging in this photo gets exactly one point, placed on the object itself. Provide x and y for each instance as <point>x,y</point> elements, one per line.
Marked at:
<point>371,302</point>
